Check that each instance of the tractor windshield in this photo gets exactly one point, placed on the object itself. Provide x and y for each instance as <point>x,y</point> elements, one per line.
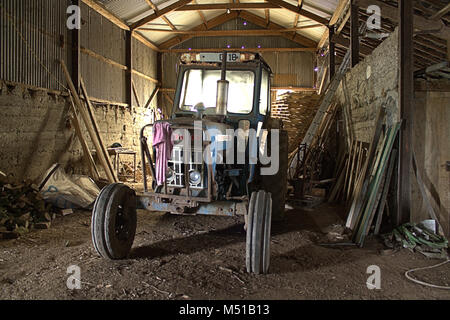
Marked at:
<point>200,89</point>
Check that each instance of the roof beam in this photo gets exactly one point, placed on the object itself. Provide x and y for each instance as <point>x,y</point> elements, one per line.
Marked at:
<point>299,10</point>
<point>231,33</point>
<point>438,15</point>
<point>118,22</point>
<point>226,6</point>
<point>160,13</point>
<point>202,27</point>
<point>421,23</point>
<point>155,8</point>
<point>261,22</point>
<point>339,11</point>
<point>105,13</point>
<point>243,50</point>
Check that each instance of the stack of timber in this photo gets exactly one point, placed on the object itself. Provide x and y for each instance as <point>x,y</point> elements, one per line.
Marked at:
<point>86,113</point>
<point>297,110</point>
<point>366,188</point>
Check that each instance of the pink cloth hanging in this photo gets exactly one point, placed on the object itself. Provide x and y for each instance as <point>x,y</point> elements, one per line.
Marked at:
<point>162,141</point>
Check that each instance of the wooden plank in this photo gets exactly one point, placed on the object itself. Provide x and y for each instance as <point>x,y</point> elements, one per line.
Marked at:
<point>107,14</point>
<point>226,6</point>
<point>300,11</point>
<point>86,152</point>
<point>313,49</point>
<point>368,214</point>
<point>211,24</point>
<point>353,169</point>
<point>354,33</point>
<point>232,33</point>
<point>152,96</point>
<point>261,22</point>
<point>340,9</point>
<point>86,118</point>
<point>129,64</point>
<point>160,13</point>
<point>93,123</point>
<point>406,97</point>
<point>438,15</point>
<point>136,96</point>
<point>362,183</point>
<point>385,191</point>
<point>145,41</point>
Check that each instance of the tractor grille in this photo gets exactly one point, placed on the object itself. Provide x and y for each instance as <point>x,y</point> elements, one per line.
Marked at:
<point>177,164</point>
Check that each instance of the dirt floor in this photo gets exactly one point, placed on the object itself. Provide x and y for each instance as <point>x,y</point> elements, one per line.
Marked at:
<point>184,257</point>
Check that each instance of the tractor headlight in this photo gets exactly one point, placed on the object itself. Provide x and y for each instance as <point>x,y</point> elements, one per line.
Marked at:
<point>170,175</point>
<point>195,177</point>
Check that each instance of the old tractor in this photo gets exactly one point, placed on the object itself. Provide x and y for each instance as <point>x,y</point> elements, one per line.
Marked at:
<point>212,163</point>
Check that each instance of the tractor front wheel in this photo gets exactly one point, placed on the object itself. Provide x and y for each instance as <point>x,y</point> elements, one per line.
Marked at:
<point>114,221</point>
<point>258,233</point>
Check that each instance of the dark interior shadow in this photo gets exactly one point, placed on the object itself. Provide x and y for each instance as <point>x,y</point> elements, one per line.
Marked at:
<point>296,220</point>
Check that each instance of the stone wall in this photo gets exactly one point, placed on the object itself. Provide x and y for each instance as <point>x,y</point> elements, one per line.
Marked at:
<point>35,132</point>
<point>371,84</point>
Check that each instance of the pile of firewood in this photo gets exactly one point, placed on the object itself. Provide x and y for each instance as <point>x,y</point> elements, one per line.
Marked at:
<point>22,208</point>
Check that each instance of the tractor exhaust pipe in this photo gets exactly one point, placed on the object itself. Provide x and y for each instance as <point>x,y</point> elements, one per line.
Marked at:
<point>222,89</point>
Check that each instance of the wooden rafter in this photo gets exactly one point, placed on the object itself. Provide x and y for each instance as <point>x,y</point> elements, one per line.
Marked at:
<point>166,20</point>
<point>118,22</point>
<point>438,15</point>
<point>297,16</point>
<point>105,13</point>
<point>267,12</point>
<point>340,9</point>
<point>160,13</point>
<point>231,33</point>
<point>261,22</point>
<point>201,15</point>
<point>299,10</point>
<point>202,27</point>
<point>226,6</point>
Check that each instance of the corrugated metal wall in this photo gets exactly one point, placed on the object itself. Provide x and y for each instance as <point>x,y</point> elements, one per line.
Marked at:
<point>33,32</point>
<point>144,61</point>
<point>290,68</point>
<point>99,35</point>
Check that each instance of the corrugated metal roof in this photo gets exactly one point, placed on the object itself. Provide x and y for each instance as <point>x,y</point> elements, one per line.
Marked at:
<point>132,11</point>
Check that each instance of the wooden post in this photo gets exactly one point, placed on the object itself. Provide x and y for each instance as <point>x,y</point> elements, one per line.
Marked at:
<point>406,95</point>
<point>129,64</point>
<point>354,17</point>
<point>159,77</point>
<point>76,56</point>
<point>332,52</point>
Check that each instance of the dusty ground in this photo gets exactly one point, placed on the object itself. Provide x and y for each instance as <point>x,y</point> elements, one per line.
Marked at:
<point>203,258</point>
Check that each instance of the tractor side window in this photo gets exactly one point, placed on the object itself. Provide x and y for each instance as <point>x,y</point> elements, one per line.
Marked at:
<point>264,100</point>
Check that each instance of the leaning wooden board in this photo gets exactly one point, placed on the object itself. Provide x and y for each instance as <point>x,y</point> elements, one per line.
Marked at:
<point>382,161</point>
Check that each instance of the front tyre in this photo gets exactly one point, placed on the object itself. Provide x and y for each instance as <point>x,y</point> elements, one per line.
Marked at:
<point>114,220</point>
<point>258,233</point>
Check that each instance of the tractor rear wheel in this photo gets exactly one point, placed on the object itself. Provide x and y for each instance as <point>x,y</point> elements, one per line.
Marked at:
<point>258,233</point>
<point>113,225</point>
